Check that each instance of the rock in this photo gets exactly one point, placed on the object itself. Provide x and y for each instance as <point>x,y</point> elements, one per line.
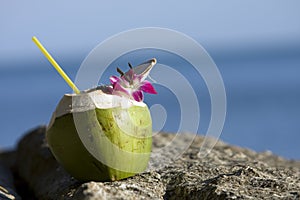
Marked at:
<point>227,172</point>
<point>7,189</point>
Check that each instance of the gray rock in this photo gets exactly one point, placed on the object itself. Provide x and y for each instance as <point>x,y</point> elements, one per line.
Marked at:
<point>227,172</point>
<point>7,189</point>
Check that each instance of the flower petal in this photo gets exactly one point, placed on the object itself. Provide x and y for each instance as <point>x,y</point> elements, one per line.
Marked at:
<point>114,80</point>
<point>118,88</point>
<point>138,95</point>
<point>129,76</point>
<point>148,87</point>
<point>108,89</point>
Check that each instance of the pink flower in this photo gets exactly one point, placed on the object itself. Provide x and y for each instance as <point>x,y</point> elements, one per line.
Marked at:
<point>131,85</point>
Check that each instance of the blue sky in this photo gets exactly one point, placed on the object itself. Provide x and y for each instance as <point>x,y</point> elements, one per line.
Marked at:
<point>67,27</point>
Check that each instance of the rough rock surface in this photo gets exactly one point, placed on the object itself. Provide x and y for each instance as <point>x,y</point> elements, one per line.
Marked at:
<point>7,188</point>
<point>227,172</point>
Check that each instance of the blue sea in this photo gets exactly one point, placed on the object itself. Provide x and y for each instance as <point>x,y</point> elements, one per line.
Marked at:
<point>262,88</point>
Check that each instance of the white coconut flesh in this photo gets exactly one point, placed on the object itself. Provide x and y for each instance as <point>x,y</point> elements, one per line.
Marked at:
<point>90,100</point>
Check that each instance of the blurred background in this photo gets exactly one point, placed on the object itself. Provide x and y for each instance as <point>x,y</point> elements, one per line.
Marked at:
<point>255,44</point>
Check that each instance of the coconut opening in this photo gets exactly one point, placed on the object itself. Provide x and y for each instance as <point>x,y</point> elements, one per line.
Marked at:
<point>91,99</point>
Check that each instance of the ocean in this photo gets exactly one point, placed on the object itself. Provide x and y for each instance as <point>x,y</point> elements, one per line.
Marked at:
<point>262,89</point>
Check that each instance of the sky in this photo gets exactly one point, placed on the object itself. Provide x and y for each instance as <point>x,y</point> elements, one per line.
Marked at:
<point>67,27</point>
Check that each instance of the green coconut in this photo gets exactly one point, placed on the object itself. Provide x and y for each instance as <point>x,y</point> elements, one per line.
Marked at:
<point>101,137</point>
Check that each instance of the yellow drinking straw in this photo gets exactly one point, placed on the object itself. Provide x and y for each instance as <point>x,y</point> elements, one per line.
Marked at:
<point>55,65</point>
